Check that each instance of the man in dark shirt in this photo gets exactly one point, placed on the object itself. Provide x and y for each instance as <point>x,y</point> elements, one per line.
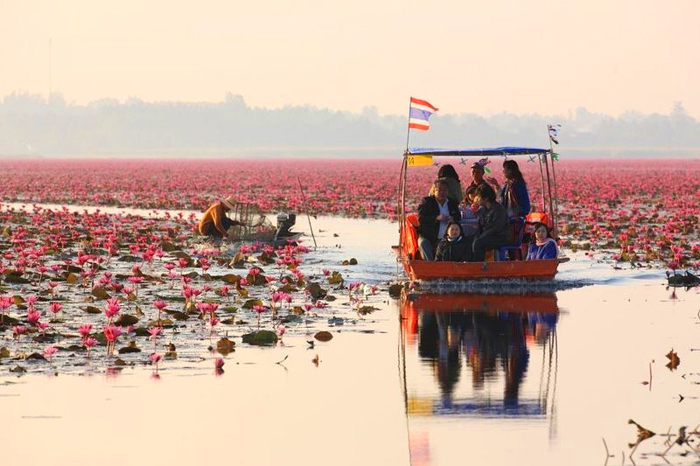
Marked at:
<point>494,226</point>
<point>434,212</point>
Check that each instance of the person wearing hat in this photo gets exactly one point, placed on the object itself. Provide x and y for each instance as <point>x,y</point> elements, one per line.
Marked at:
<point>477,175</point>
<point>214,222</point>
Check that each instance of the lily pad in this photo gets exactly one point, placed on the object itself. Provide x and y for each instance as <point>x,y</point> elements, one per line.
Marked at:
<point>225,346</point>
<point>141,332</point>
<point>256,280</point>
<point>177,315</point>
<point>316,291</point>
<point>124,320</point>
<point>291,318</point>
<point>323,336</point>
<point>252,302</point>
<point>260,338</point>
<point>184,255</point>
<point>336,321</point>
<point>7,320</point>
<point>46,338</point>
<point>100,293</point>
<point>130,348</point>
<point>165,323</point>
<point>92,310</point>
<point>14,278</point>
<point>230,278</point>
<point>167,246</point>
<point>4,352</point>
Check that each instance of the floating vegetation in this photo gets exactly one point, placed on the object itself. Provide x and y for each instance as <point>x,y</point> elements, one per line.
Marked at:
<point>104,291</point>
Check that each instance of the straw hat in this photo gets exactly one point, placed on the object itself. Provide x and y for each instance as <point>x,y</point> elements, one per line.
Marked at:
<point>229,202</point>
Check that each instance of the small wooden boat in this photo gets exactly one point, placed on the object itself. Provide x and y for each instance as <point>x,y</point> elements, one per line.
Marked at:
<point>407,249</point>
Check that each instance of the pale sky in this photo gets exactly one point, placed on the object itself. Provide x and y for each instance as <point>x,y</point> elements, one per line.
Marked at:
<point>520,56</point>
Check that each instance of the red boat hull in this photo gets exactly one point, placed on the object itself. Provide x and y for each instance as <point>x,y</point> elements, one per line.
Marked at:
<point>432,270</point>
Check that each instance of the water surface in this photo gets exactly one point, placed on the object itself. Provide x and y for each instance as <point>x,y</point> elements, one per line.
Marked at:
<point>529,380</point>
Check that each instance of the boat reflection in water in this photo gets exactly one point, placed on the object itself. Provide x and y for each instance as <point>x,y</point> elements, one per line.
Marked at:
<point>469,356</point>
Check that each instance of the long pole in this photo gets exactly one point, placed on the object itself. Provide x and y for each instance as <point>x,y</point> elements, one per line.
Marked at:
<point>402,181</point>
<point>402,203</point>
<point>556,193</point>
<point>549,192</point>
<point>408,123</point>
<point>308,217</point>
<point>544,200</point>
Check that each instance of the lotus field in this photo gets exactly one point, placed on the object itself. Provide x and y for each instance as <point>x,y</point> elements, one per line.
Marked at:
<point>643,211</point>
<point>128,289</point>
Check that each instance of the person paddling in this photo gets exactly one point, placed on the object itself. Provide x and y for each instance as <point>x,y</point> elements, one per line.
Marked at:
<point>214,223</point>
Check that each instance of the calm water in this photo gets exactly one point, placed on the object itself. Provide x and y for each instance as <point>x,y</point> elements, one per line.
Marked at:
<point>483,379</point>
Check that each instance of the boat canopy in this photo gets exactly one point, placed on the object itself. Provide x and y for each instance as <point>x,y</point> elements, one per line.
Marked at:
<point>485,152</point>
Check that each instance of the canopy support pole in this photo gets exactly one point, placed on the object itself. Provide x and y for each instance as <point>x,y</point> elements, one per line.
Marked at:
<point>544,206</point>
<point>556,193</point>
<point>549,191</point>
<point>402,202</point>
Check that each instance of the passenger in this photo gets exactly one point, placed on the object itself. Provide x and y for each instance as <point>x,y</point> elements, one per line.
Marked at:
<point>470,213</point>
<point>514,196</point>
<point>454,186</point>
<point>478,169</point>
<point>214,223</point>
<point>433,214</point>
<point>494,226</point>
<point>543,247</point>
<point>453,247</point>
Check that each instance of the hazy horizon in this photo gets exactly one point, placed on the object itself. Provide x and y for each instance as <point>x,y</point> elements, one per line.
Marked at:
<point>31,126</point>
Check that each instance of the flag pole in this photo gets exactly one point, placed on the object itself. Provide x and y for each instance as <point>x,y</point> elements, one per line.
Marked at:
<point>408,123</point>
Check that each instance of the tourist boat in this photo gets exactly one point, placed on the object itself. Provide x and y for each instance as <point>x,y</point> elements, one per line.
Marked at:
<point>407,250</point>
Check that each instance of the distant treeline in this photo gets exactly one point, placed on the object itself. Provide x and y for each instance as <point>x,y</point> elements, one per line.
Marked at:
<point>31,125</point>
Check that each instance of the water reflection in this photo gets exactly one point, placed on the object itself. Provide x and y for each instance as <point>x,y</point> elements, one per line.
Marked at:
<point>475,356</point>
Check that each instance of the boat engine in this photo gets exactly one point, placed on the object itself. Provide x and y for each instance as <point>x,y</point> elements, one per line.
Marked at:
<point>285,222</point>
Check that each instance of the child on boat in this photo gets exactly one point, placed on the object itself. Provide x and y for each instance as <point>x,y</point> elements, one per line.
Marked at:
<point>453,247</point>
<point>214,223</point>
<point>543,247</point>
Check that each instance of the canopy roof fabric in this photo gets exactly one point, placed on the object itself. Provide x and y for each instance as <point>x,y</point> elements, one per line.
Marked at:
<point>492,151</point>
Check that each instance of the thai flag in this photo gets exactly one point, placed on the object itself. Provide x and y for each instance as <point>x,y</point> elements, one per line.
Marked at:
<point>419,113</point>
